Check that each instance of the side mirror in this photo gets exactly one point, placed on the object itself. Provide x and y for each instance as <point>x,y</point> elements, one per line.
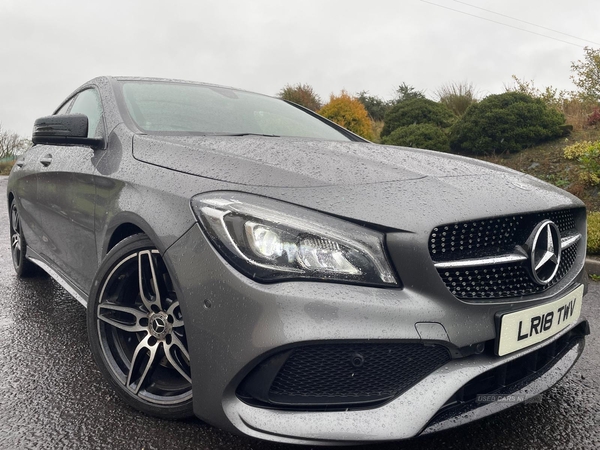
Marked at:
<point>68,129</point>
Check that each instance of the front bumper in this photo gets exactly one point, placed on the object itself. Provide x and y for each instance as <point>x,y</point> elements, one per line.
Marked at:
<point>411,414</point>
<point>233,323</point>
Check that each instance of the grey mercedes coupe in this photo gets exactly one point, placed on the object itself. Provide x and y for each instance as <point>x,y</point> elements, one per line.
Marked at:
<point>245,260</point>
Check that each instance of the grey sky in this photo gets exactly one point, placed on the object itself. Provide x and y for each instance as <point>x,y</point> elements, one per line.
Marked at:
<point>48,48</point>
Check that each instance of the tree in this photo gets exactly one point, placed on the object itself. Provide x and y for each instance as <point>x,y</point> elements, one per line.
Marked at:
<point>587,75</point>
<point>417,111</point>
<point>457,96</point>
<point>407,92</point>
<point>506,122</point>
<point>350,113</point>
<point>375,106</point>
<point>302,94</point>
<point>11,144</point>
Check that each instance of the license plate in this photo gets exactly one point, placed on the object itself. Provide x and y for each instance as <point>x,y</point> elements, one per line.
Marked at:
<point>523,328</point>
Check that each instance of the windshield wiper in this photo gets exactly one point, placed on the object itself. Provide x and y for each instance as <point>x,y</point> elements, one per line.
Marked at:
<point>242,134</point>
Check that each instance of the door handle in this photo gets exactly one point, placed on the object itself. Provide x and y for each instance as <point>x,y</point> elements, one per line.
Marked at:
<point>46,160</point>
<point>20,163</point>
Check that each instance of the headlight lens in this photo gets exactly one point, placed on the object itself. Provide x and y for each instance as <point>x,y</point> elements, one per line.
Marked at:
<point>269,240</point>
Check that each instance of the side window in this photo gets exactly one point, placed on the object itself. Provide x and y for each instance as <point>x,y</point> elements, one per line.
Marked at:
<point>88,102</point>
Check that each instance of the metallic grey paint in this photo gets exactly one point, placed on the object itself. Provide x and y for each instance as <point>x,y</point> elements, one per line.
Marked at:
<point>71,208</point>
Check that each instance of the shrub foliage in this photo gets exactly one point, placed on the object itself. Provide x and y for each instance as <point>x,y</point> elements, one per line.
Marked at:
<point>350,113</point>
<point>588,155</point>
<point>417,111</point>
<point>457,96</point>
<point>5,167</point>
<point>302,94</point>
<point>423,135</point>
<point>507,122</point>
<point>593,244</point>
<point>375,106</point>
<point>594,117</point>
<point>407,92</point>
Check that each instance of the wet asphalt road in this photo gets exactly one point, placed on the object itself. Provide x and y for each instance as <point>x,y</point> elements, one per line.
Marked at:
<point>52,395</point>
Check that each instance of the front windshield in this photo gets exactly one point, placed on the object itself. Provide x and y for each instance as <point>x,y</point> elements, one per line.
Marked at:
<point>178,108</point>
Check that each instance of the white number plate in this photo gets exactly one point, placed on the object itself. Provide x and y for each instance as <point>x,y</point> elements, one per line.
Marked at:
<point>521,329</point>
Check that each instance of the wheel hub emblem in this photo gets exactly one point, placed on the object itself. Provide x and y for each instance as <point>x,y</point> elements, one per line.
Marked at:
<point>545,253</point>
<point>159,325</point>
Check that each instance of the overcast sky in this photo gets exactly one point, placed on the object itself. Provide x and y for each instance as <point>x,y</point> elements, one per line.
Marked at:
<point>48,48</point>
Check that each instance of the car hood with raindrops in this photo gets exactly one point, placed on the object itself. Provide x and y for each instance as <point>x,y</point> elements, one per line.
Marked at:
<point>398,187</point>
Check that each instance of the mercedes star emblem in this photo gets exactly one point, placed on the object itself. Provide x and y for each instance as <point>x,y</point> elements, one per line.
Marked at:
<point>545,252</point>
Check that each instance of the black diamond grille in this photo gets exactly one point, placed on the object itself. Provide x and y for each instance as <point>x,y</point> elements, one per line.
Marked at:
<point>502,280</point>
<point>491,237</point>
<point>366,372</point>
<point>495,237</point>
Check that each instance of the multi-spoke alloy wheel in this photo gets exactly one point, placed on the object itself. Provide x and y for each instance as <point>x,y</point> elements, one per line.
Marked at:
<point>136,330</point>
<point>23,267</point>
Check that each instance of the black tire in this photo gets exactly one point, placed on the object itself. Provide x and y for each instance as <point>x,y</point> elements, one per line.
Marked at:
<point>18,246</point>
<point>136,331</point>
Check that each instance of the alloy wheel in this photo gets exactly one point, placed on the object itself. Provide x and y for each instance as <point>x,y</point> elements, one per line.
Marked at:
<point>15,236</point>
<point>141,330</point>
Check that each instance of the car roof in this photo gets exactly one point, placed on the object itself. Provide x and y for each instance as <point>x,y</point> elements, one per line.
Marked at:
<point>172,80</point>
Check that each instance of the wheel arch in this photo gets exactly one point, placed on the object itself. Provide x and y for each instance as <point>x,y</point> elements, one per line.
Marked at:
<point>123,231</point>
<point>125,225</point>
<point>11,197</point>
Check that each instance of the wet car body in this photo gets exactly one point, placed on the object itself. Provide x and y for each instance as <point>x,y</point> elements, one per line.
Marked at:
<point>246,337</point>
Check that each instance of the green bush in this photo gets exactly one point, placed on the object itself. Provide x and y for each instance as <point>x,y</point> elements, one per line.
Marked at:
<point>423,135</point>
<point>505,123</point>
<point>5,167</point>
<point>375,106</point>
<point>588,155</point>
<point>576,150</point>
<point>417,111</point>
<point>593,233</point>
<point>406,92</point>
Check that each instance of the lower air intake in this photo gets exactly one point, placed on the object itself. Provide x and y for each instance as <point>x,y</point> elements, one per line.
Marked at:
<point>340,375</point>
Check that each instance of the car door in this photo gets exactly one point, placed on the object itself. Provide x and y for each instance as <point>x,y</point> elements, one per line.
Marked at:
<point>25,174</point>
<point>66,198</point>
<point>25,170</point>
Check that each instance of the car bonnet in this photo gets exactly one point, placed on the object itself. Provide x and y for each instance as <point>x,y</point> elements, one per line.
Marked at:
<point>293,162</point>
<point>396,187</point>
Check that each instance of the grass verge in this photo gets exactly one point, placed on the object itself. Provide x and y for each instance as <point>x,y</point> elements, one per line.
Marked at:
<point>593,223</point>
<point>5,167</point>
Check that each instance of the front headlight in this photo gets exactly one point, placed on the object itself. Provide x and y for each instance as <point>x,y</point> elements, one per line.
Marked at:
<point>269,240</point>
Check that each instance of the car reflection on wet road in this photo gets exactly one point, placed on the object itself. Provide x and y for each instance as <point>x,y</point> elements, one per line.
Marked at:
<point>53,396</point>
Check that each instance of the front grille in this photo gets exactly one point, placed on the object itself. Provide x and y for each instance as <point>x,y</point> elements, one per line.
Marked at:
<point>343,374</point>
<point>502,280</point>
<point>496,237</point>
<point>490,237</point>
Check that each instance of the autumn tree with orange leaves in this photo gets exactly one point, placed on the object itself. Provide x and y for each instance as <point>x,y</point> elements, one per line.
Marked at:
<point>350,113</point>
